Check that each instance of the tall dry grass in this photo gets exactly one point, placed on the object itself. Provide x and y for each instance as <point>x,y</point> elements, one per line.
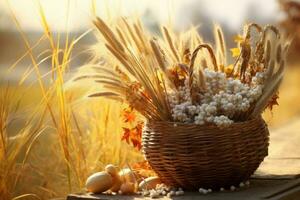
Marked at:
<point>53,139</point>
<point>15,149</point>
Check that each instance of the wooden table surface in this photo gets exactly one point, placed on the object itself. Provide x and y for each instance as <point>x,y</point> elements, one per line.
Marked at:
<point>273,189</point>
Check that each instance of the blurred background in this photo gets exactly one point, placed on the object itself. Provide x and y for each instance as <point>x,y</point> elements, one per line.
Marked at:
<point>203,13</point>
<point>90,129</point>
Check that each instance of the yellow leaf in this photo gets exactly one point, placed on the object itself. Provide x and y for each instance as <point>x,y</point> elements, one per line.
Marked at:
<point>238,39</point>
<point>235,52</point>
<point>229,69</point>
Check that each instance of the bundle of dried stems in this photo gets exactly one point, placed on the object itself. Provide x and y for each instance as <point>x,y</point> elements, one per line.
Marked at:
<point>142,70</point>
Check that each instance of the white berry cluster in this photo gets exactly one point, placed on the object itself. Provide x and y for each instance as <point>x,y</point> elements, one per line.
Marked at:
<point>259,78</point>
<point>222,99</point>
<point>162,190</point>
<point>231,188</point>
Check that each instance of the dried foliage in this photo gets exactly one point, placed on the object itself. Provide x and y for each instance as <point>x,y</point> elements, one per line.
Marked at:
<point>142,70</point>
<point>133,132</point>
<point>143,169</point>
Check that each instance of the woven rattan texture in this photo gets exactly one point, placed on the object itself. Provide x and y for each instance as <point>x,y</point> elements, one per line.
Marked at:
<point>192,156</point>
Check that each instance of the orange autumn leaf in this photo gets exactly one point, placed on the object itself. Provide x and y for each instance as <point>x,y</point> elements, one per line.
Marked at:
<point>143,169</point>
<point>129,115</point>
<point>141,165</point>
<point>131,136</point>
<point>134,135</point>
<point>136,138</point>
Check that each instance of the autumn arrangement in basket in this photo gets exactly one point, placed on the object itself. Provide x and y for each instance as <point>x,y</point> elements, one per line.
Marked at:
<point>180,78</point>
<point>198,107</point>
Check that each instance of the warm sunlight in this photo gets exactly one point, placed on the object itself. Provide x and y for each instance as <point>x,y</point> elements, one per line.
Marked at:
<point>149,99</point>
<point>232,14</point>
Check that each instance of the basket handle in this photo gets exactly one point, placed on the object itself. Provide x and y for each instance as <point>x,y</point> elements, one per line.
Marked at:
<point>191,68</point>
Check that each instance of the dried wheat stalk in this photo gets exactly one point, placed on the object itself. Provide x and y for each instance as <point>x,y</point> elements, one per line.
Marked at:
<point>143,71</point>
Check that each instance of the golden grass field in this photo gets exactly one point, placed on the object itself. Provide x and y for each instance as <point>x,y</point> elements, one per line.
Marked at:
<point>52,137</point>
<point>47,160</point>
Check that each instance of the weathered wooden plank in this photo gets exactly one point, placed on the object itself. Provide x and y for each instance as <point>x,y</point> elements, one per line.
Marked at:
<point>291,185</point>
<point>284,151</point>
<point>259,189</point>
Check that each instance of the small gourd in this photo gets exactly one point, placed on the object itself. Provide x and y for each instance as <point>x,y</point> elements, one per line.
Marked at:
<point>127,188</point>
<point>128,175</point>
<point>99,182</point>
<point>116,179</point>
<point>149,183</point>
<point>111,169</point>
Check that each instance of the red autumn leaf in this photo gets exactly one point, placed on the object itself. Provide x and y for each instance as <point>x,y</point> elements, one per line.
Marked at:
<point>136,143</point>
<point>273,101</point>
<point>126,134</point>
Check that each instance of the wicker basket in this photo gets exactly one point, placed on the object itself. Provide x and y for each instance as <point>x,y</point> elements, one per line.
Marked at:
<point>192,156</point>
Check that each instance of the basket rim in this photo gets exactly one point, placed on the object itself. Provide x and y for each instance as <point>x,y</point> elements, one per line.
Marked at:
<point>174,123</point>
